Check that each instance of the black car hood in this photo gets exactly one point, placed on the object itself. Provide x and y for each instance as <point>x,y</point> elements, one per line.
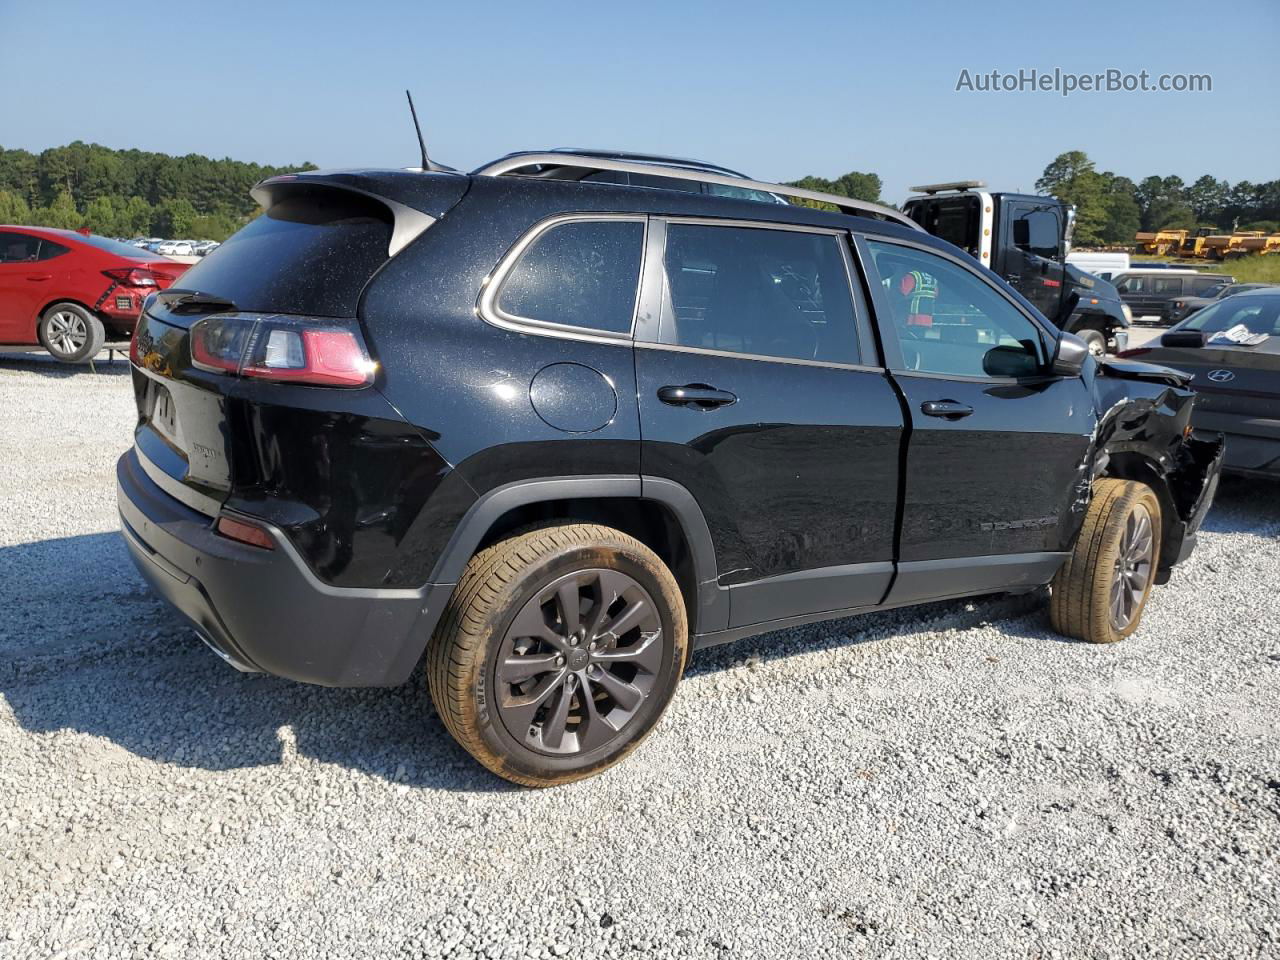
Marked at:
<point>1148,372</point>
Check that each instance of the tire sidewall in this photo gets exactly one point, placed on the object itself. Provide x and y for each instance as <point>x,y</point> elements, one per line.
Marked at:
<point>1105,569</point>
<point>482,682</point>
<point>96,333</point>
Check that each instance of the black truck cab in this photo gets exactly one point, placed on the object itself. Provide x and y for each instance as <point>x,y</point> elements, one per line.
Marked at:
<point>1025,239</point>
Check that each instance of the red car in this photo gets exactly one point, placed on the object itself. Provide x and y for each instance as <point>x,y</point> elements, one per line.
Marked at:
<point>66,290</point>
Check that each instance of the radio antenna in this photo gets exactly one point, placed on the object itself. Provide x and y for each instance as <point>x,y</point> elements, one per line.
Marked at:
<point>427,165</point>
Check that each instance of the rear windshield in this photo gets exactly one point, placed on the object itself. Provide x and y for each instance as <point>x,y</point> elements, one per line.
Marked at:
<point>114,246</point>
<point>309,254</point>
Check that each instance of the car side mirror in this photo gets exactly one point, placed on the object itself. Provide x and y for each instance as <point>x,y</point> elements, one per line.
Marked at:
<point>1069,356</point>
<point>1183,338</point>
<point>1004,361</point>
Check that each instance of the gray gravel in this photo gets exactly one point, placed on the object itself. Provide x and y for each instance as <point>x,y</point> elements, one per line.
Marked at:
<point>952,781</point>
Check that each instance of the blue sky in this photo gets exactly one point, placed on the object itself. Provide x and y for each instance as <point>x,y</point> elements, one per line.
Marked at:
<point>775,89</point>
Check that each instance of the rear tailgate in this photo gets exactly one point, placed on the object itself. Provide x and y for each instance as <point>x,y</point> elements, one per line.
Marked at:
<point>320,241</point>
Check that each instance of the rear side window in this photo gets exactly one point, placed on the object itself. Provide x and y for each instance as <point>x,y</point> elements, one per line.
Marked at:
<point>310,254</point>
<point>49,250</point>
<point>1166,286</point>
<point>772,293</point>
<point>19,248</point>
<point>580,273</point>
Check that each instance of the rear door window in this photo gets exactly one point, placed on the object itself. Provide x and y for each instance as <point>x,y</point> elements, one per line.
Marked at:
<point>582,273</point>
<point>769,293</point>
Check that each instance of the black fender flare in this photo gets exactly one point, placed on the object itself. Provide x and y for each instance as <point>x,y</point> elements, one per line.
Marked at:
<point>712,601</point>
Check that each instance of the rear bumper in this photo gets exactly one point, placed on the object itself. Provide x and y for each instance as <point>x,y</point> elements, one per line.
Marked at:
<point>264,610</point>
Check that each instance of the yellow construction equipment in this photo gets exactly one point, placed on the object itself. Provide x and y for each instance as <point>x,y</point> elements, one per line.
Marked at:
<point>1268,243</point>
<point>1223,245</point>
<point>1193,245</point>
<point>1159,242</point>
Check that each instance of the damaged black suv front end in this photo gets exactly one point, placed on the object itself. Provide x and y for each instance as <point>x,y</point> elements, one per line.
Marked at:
<point>1144,433</point>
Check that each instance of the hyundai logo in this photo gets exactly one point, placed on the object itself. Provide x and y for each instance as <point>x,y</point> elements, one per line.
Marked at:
<point>1221,376</point>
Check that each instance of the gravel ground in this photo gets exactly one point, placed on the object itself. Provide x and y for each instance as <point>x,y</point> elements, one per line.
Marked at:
<point>949,781</point>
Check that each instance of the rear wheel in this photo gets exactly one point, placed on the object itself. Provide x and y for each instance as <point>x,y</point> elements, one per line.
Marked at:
<point>71,333</point>
<point>1101,591</point>
<point>558,652</point>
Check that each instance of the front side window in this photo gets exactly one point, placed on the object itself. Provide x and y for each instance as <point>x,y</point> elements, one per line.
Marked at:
<point>949,321</point>
<point>1166,286</point>
<point>772,293</point>
<point>19,248</point>
<point>580,273</point>
<point>1036,230</point>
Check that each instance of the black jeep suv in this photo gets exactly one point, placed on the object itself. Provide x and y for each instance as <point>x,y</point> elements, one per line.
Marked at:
<point>555,431</point>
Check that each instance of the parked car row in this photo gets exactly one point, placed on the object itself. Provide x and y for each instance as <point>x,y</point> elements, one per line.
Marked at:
<point>173,248</point>
<point>552,435</point>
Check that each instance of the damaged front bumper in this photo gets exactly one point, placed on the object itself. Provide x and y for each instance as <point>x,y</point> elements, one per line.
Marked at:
<point>1192,483</point>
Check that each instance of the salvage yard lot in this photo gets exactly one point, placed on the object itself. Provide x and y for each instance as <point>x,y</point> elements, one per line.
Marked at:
<point>951,780</point>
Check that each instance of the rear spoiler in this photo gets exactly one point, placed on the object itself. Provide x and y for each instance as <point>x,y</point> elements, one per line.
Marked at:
<point>415,200</point>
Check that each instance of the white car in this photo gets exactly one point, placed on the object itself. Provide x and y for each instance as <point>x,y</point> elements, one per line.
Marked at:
<point>176,248</point>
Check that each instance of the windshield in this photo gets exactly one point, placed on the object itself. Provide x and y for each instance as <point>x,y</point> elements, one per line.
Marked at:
<point>113,246</point>
<point>1215,291</point>
<point>1259,314</point>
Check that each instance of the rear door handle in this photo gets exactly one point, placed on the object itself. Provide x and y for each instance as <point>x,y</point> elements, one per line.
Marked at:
<point>39,276</point>
<point>947,409</point>
<point>696,395</point>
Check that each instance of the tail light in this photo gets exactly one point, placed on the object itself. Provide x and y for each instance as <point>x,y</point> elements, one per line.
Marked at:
<point>283,349</point>
<point>132,276</point>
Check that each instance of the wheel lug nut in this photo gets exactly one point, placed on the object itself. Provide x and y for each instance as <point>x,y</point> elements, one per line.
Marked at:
<point>559,661</point>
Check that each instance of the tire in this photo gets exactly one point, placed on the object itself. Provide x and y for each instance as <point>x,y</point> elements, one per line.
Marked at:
<point>1096,340</point>
<point>1108,559</point>
<point>492,663</point>
<point>71,333</point>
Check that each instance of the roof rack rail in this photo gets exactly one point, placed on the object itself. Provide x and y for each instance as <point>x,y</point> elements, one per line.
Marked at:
<point>861,208</point>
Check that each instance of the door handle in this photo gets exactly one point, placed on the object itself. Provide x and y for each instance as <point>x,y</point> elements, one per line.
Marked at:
<point>947,409</point>
<point>39,276</point>
<point>696,395</point>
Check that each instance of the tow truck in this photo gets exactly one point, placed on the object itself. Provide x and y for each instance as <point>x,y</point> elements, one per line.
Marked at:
<point>1025,239</point>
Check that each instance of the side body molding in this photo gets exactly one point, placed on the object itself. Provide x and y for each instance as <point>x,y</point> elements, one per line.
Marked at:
<point>712,600</point>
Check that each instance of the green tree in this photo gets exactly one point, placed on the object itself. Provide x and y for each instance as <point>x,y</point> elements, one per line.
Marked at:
<point>13,209</point>
<point>61,213</point>
<point>135,217</point>
<point>1207,198</point>
<point>174,218</point>
<point>1123,214</point>
<point>1071,178</point>
<point>101,216</point>
<point>854,184</point>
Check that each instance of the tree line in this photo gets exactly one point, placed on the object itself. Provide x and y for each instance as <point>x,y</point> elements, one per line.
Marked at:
<point>1110,208</point>
<point>128,193</point>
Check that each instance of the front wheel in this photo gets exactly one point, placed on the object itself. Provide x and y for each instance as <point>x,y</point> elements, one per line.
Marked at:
<point>558,652</point>
<point>1096,341</point>
<point>71,333</point>
<point>1102,589</point>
